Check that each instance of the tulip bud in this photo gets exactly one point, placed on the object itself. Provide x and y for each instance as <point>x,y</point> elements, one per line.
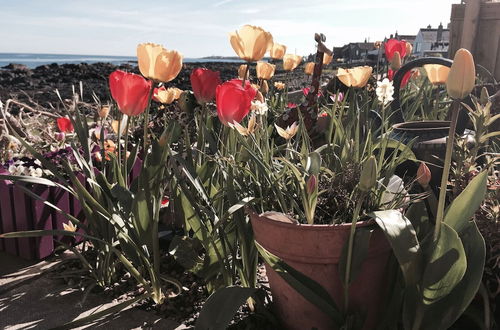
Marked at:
<point>327,59</point>
<point>60,136</point>
<point>265,70</point>
<point>462,76</point>
<point>396,61</point>
<point>409,48</point>
<point>423,175</point>
<point>264,87</point>
<point>485,97</point>
<point>103,113</point>
<point>163,139</point>
<point>368,177</point>
<point>312,184</point>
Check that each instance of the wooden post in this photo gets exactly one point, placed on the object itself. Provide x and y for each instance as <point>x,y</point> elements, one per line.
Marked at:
<point>471,20</point>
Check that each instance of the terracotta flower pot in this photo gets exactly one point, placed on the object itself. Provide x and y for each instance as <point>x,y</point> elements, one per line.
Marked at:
<point>315,250</point>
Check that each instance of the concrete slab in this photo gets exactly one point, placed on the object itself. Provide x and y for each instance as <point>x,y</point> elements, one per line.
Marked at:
<point>45,303</point>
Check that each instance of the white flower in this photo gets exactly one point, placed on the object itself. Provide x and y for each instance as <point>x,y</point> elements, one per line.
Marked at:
<point>395,187</point>
<point>260,108</point>
<point>37,162</point>
<point>384,91</point>
<point>17,170</point>
<point>35,172</point>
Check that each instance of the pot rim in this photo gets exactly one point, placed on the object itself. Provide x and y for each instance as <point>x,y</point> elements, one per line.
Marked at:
<point>310,227</point>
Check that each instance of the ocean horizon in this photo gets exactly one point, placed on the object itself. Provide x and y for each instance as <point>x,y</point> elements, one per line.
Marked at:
<point>32,60</point>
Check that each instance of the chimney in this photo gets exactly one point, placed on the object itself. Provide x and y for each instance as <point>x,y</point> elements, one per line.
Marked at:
<point>440,33</point>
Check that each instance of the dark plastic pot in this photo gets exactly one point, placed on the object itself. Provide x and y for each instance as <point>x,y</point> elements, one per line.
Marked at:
<point>315,250</point>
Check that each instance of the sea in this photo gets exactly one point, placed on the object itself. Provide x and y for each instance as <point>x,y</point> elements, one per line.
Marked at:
<point>34,60</point>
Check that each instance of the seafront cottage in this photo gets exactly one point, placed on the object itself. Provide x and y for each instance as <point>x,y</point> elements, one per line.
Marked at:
<point>432,41</point>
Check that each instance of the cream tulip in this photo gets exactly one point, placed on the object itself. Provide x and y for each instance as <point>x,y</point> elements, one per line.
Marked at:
<point>309,68</point>
<point>437,74</point>
<point>277,51</point>
<point>327,59</point>
<point>168,95</point>
<point>251,42</point>
<point>158,63</point>
<point>462,76</point>
<point>355,77</point>
<point>265,70</point>
<point>291,61</point>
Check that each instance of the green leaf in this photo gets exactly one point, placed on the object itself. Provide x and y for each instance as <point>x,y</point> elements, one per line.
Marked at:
<point>446,267</point>
<point>221,306</point>
<point>307,287</point>
<point>182,248</point>
<point>360,250</point>
<point>466,204</point>
<point>404,242</point>
<point>443,313</point>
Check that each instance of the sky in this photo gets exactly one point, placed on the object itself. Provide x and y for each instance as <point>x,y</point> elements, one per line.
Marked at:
<point>199,28</point>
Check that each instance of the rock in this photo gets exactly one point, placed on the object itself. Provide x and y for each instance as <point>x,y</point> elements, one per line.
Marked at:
<point>18,67</point>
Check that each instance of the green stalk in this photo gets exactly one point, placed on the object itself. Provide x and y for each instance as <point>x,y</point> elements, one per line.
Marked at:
<point>125,153</point>
<point>350,246</point>
<point>146,122</point>
<point>446,168</point>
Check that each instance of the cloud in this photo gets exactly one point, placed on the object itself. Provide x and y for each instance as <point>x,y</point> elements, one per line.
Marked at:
<point>220,3</point>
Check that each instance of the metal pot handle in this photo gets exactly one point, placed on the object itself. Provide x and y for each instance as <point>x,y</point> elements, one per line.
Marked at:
<point>398,78</point>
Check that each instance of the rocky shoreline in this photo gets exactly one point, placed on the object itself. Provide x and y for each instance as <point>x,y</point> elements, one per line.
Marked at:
<point>38,85</point>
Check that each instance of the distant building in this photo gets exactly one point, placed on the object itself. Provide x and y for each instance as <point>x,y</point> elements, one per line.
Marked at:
<point>432,42</point>
<point>355,52</point>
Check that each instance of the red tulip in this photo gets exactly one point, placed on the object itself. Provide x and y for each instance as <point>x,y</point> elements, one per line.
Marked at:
<point>130,91</point>
<point>233,100</point>
<point>204,83</point>
<point>394,45</point>
<point>65,125</point>
<point>404,81</point>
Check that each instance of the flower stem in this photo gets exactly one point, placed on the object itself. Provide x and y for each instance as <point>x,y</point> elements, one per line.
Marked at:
<point>446,167</point>
<point>350,246</point>
<point>146,123</point>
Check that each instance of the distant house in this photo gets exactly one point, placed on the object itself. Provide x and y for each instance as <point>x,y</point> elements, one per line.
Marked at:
<point>432,42</point>
<point>355,52</point>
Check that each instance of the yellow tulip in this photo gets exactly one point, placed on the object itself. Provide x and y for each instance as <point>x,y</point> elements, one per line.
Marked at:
<point>279,85</point>
<point>242,70</point>
<point>277,51</point>
<point>437,74</point>
<point>327,59</point>
<point>462,76</point>
<point>158,63</point>
<point>355,77</point>
<point>290,62</point>
<point>396,61</point>
<point>251,42</point>
<point>167,96</point>
<point>265,70</point>
<point>309,68</point>
<point>289,132</point>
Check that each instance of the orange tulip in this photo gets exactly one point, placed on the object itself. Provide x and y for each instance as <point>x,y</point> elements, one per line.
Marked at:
<point>265,70</point>
<point>158,63</point>
<point>290,62</point>
<point>309,68</point>
<point>277,51</point>
<point>251,42</point>
<point>437,74</point>
<point>355,77</point>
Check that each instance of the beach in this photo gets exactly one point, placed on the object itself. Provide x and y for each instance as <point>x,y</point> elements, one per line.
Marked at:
<point>38,85</point>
